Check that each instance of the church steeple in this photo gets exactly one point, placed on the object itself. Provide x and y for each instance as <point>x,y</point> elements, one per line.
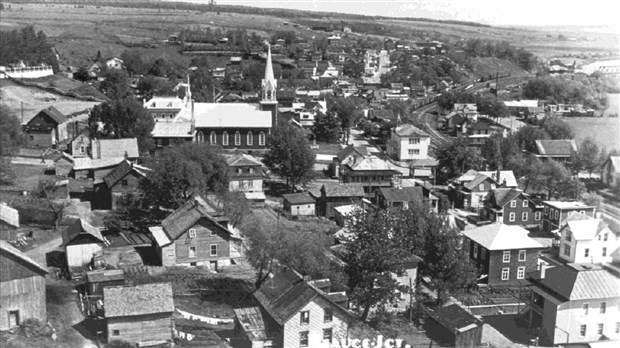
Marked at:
<point>269,84</point>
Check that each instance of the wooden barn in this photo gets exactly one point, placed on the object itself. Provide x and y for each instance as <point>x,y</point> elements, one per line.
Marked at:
<point>9,222</point>
<point>81,242</point>
<point>299,203</point>
<point>122,180</point>
<point>22,288</point>
<point>46,128</point>
<point>455,327</point>
<point>139,314</point>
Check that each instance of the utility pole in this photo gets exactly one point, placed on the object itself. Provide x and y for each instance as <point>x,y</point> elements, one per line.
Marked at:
<point>496,83</point>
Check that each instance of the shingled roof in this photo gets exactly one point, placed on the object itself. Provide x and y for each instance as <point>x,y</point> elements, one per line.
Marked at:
<point>80,227</point>
<point>409,130</point>
<point>11,250</point>
<point>498,236</point>
<point>556,148</point>
<point>360,150</point>
<point>188,215</point>
<point>54,114</point>
<point>298,198</point>
<point>121,170</point>
<point>405,194</point>
<point>478,179</point>
<point>124,301</point>
<point>115,148</point>
<point>9,215</point>
<point>454,318</point>
<point>343,190</point>
<point>503,196</point>
<point>580,282</point>
<point>240,160</point>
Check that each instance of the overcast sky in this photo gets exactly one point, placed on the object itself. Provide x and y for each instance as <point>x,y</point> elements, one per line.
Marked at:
<point>494,12</point>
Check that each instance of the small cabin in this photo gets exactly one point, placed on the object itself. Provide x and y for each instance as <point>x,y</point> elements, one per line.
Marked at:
<point>455,327</point>
<point>81,242</point>
<point>299,204</point>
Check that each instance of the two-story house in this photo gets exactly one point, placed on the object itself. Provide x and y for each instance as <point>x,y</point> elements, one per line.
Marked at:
<point>555,213</point>
<point>471,194</point>
<point>299,314</point>
<point>502,253</point>
<point>577,303</point>
<point>371,173</point>
<point>48,127</point>
<point>407,143</point>
<point>584,239</point>
<point>512,207</point>
<point>391,197</point>
<point>191,236</point>
<point>560,150</point>
<point>333,195</point>
<point>124,179</point>
<point>350,154</point>
<point>244,173</point>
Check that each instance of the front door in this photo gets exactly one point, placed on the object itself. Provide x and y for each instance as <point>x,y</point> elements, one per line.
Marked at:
<point>213,266</point>
<point>13,319</point>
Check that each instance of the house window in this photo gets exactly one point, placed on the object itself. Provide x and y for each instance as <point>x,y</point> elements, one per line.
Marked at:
<point>483,253</point>
<point>524,203</point>
<point>250,184</point>
<point>303,339</point>
<point>546,211</point>
<point>192,252</point>
<point>304,317</point>
<point>327,335</point>
<point>567,250</point>
<point>582,330</point>
<point>586,308</point>
<point>506,256</point>
<point>505,273</point>
<point>250,139</point>
<point>239,170</point>
<point>605,237</point>
<point>513,204</point>
<point>116,332</point>
<point>200,137</point>
<point>481,187</point>
<point>512,217</point>
<point>237,139</point>
<point>192,233</point>
<point>600,329</point>
<point>414,151</point>
<point>261,138</point>
<point>414,141</point>
<point>213,138</point>
<point>476,251</point>
<point>603,307</point>
<point>13,319</point>
<point>82,149</point>
<point>521,272</point>
<point>32,138</point>
<point>251,170</point>
<point>493,186</point>
<point>537,216</point>
<point>522,255</point>
<point>557,214</point>
<point>618,327</point>
<point>213,249</point>
<point>568,236</point>
<point>225,138</point>
<point>328,315</point>
<point>604,251</point>
<point>124,182</point>
<point>586,252</point>
<point>524,216</point>
<point>582,212</point>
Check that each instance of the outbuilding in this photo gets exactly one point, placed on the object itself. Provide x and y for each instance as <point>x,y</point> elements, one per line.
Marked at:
<point>299,204</point>
<point>455,327</point>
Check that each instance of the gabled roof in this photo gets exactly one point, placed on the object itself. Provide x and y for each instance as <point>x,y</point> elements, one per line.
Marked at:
<point>409,130</point>
<point>121,170</point>
<point>454,318</point>
<point>498,236</point>
<point>585,227</point>
<point>54,114</point>
<point>343,190</point>
<point>371,163</point>
<point>347,151</point>
<point>188,215</point>
<point>286,293</point>
<point>230,115</point>
<point>115,148</point>
<point>77,227</point>
<point>173,130</point>
<point>164,103</point>
<point>615,162</point>
<point>405,194</point>
<point>503,196</point>
<point>384,114</point>
<point>9,215</point>
<point>581,282</point>
<point>124,301</point>
<point>242,160</point>
<point>506,177</point>
<point>251,320</point>
<point>478,179</point>
<point>565,147</point>
<point>85,163</point>
<point>9,249</point>
<point>567,205</point>
<point>298,198</point>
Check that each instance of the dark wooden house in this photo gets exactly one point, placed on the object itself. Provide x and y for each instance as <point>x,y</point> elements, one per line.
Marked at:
<point>22,288</point>
<point>455,327</point>
<point>336,195</point>
<point>512,207</point>
<point>122,180</point>
<point>390,197</point>
<point>192,236</point>
<point>139,314</point>
<point>46,128</point>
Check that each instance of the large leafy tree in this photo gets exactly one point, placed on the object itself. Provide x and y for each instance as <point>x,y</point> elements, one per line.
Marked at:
<point>133,62</point>
<point>122,118</point>
<point>11,138</point>
<point>181,171</point>
<point>28,46</point>
<point>588,156</point>
<point>290,156</point>
<point>455,158</point>
<point>527,135</point>
<point>492,106</point>
<point>326,127</point>
<point>557,128</point>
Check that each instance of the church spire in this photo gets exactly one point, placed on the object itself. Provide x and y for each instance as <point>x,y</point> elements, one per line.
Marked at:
<point>269,84</point>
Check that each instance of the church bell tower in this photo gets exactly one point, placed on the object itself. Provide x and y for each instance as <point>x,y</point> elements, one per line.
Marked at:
<point>269,86</point>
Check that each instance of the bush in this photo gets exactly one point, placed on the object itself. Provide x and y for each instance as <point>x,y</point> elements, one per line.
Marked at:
<point>32,328</point>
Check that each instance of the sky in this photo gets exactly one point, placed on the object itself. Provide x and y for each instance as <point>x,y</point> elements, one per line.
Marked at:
<point>493,12</point>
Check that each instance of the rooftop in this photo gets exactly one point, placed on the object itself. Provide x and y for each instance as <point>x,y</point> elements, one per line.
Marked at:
<point>231,115</point>
<point>121,170</point>
<point>298,198</point>
<point>580,282</point>
<point>54,114</point>
<point>371,163</point>
<point>409,130</point>
<point>584,227</point>
<point>343,190</point>
<point>80,227</point>
<point>242,159</point>
<point>9,215</point>
<point>498,236</point>
<point>566,147</point>
<point>115,148</point>
<point>9,249</point>
<point>454,318</point>
<point>187,215</point>
<point>252,322</point>
<point>405,194</point>
<point>123,301</point>
<point>567,205</point>
<point>171,103</point>
<point>180,129</point>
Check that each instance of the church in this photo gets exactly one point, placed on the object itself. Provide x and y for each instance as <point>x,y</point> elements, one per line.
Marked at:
<point>226,125</point>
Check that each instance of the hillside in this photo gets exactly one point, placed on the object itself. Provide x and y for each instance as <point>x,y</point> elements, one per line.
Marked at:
<point>491,66</point>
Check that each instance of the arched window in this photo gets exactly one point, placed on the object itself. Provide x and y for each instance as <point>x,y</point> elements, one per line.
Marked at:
<point>225,138</point>
<point>261,139</point>
<point>250,138</point>
<point>213,138</point>
<point>237,139</point>
<point>200,137</point>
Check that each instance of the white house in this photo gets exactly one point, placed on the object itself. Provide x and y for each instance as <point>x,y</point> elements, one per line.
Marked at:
<point>585,239</point>
<point>408,143</point>
<point>115,63</point>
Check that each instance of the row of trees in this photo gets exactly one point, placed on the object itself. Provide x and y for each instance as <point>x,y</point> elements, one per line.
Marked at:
<point>28,46</point>
<point>502,49</point>
<point>583,90</point>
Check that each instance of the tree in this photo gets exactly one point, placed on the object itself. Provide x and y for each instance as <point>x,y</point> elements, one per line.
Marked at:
<point>592,199</point>
<point>446,101</point>
<point>181,171</point>
<point>492,106</point>
<point>353,68</point>
<point>290,156</point>
<point>557,129</point>
<point>11,138</point>
<point>455,158</point>
<point>498,151</point>
<point>122,118</point>
<point>326,127</point>
<point>115,84</point>
<point>588,156</point>
<point>81,74</point>
<point>527,135</point>
<point>133,62</point>
<point>202,82</point>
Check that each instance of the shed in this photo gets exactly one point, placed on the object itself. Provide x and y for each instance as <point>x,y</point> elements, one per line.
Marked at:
<point>455,326</point>
<point>139,314</point>
<point>81,241</point>
<point>98,279</point>
<point>299,204</point>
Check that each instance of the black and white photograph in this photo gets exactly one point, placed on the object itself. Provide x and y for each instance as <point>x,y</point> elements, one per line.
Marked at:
<point>309,174</point>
